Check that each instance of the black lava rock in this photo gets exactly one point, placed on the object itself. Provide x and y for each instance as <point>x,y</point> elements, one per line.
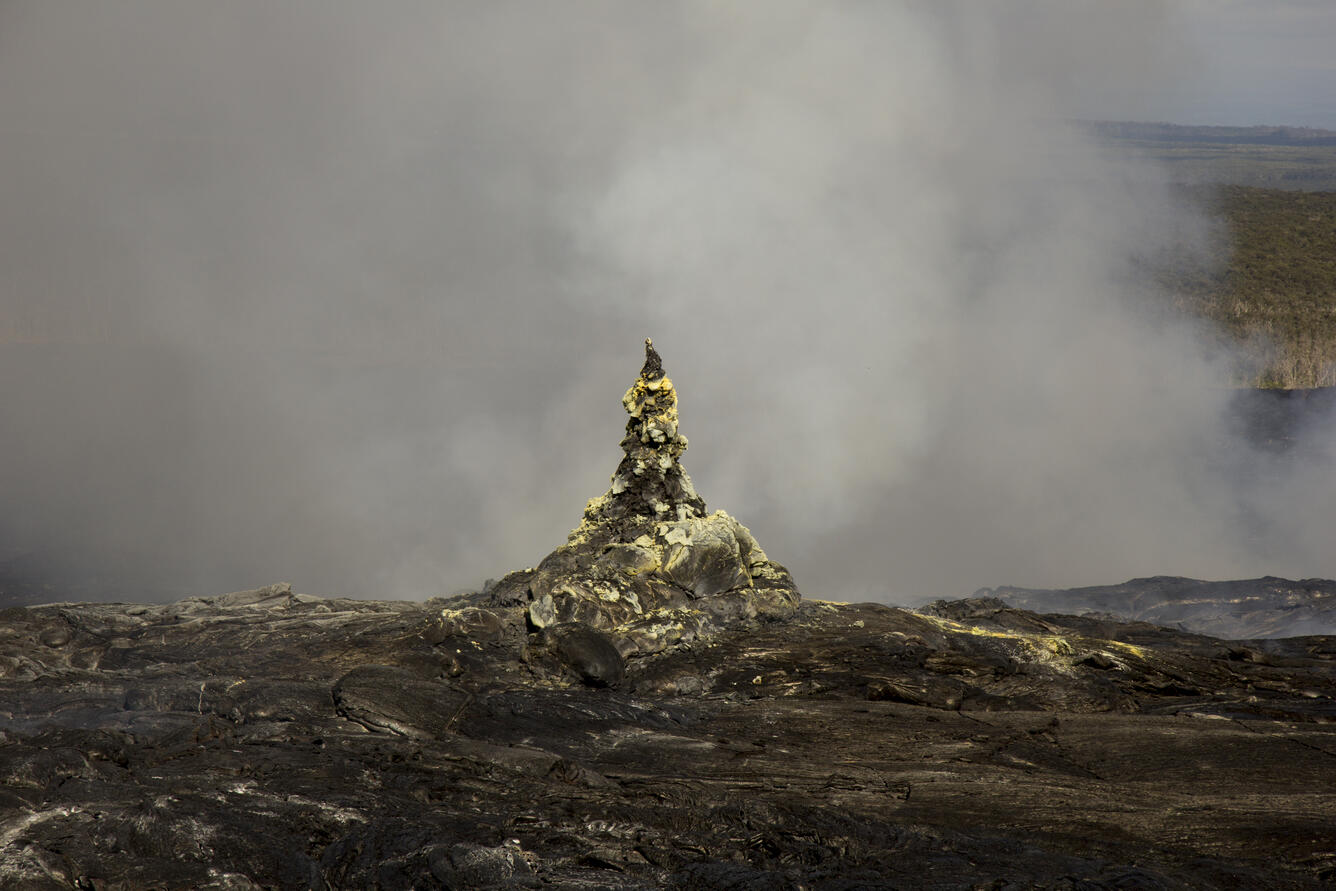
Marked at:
<point>268,739</point>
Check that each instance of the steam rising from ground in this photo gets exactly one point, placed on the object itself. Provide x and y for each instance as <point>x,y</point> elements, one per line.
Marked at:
<point>349,295</point>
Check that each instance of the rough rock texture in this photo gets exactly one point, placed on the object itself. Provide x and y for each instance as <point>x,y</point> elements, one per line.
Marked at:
<point>267,739</point>
<point>648,564</point>
<point>1265,607</point>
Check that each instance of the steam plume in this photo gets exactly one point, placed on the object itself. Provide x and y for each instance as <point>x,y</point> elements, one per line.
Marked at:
<point>346,296</point>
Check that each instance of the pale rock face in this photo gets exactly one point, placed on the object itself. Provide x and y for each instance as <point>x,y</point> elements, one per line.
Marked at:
<point>705,556</point>
<point>648,565</point>
<point>632,559</point>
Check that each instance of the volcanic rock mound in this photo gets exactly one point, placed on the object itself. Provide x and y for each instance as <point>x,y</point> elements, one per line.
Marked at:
<point>648,565</point>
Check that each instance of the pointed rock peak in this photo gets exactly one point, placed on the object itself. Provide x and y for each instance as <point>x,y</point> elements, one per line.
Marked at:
<point>650,482</point>
<point>653,368</point>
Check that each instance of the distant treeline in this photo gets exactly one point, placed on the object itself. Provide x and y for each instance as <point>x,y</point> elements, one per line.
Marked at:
<point>1275,291</point>
<point>1262,135</point>
<point>1271,290</point>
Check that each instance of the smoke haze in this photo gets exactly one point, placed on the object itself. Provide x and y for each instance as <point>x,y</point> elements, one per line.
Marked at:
<point>348,296</point>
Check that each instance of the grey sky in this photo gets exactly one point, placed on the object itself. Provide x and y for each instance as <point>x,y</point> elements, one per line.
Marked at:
<point>1256,62</point>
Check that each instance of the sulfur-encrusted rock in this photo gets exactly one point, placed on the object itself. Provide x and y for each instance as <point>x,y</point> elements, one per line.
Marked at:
<point>647,563</point>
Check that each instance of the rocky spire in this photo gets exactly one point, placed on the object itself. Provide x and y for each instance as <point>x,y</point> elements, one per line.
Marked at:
<point>647,566</point>
<point>649,481</point>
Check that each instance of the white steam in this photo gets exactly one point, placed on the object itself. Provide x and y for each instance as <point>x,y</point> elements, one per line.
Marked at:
<point>348,295</point>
